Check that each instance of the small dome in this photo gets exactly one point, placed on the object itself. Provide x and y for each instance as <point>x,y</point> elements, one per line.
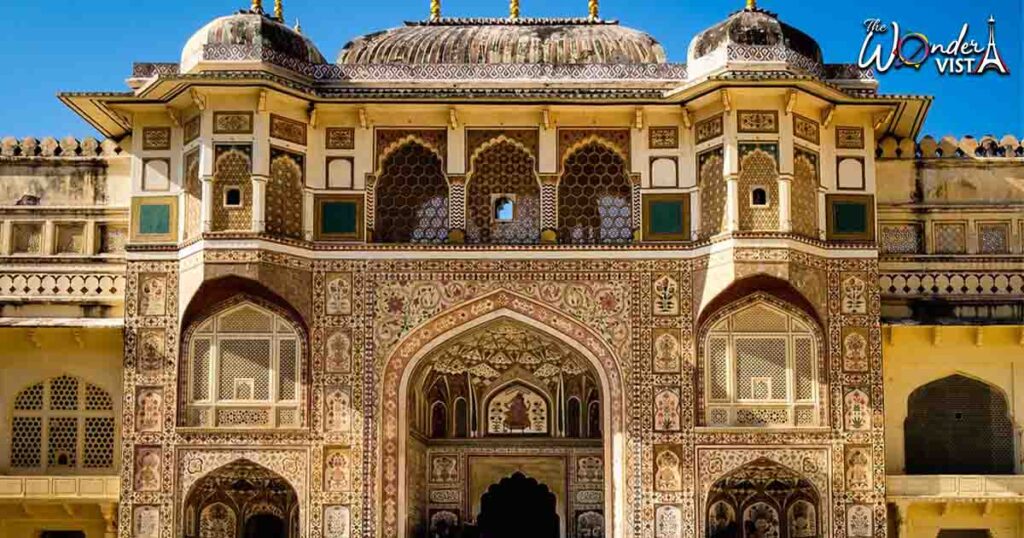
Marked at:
<point>753,27</point>
<point>260,34</point>
<point>505,41</point>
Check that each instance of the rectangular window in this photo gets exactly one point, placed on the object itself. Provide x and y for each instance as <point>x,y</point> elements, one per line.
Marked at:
<point>666,217</point>
<point>154,219</point>
<point>850,217</point>
<point>339,218</point>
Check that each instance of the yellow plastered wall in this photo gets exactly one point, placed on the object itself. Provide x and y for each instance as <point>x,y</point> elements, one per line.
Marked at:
<point>915,356</point>
<point>927,520</point>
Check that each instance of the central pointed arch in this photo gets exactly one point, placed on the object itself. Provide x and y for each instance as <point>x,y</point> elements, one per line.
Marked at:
<point>501,304</point>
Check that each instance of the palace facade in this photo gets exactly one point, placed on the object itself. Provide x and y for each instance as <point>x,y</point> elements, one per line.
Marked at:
<point>509,276</point>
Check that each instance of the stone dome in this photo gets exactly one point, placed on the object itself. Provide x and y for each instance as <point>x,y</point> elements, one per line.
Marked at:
<point>247,35</point>
<point>753,27</point>
<point>505,41</point>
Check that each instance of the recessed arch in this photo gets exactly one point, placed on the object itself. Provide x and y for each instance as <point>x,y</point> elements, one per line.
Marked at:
<point>243,363</point>
<point>764,495</point>
<point>503,169</point>
<point>223,501</point>
<point>410,194</point>
<point>958,425</point>
<point>762,362</point>
<point>501,304</point>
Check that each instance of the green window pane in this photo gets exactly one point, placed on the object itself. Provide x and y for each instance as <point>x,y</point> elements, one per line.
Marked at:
<point>850,217</point>
<point>154,218</point>
<point>666,217</point>
<point>339,218</point>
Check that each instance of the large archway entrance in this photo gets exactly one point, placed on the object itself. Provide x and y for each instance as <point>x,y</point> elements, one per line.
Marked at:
<point>492,389</point>
<point>241,500</point>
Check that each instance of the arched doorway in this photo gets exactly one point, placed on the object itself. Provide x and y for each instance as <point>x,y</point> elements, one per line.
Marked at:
<point>763,499</point>
<point>265,526</point>
<point>239,500</point>
<point>958,425</point>
<point>518,506</point>
<point>413,484</point>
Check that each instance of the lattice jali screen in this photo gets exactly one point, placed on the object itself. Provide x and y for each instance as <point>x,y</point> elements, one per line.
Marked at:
<point>594,197</point>
<point>503,169</point>
<point>284,195</point>
<point>232,169</point>
<point>712,193</point>
<point>758,169</point>
<point>804,194</point>
<point>761,369</point>
<point>411,197</point>
<point>244,370</point>
<point>62,423</point>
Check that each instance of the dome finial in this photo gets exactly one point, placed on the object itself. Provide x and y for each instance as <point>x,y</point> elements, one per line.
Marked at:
<point>592,8</point>
<point>257,6</point>
<point>751,5</point>
<point>298,26</point>
<point>513,9</point>
<point>279,10</point>
<point>435,10</point>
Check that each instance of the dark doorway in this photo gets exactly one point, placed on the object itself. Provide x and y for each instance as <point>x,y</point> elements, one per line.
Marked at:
<point>958,425</point>
<point>265,526</point>
<point>518,507</point>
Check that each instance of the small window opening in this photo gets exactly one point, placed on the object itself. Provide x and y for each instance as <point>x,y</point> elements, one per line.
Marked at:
<point>504,208</point>
<point>758,197</point>
<point>233,197</point>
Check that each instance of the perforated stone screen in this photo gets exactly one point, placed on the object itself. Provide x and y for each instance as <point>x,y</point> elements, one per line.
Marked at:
<point>411,198</point>
<point>503,169</point>
<point>62,423</point>
<point>594,196</point>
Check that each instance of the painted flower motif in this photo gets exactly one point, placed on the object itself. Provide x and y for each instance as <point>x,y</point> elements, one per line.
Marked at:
<point>395,305</point>
<point>607,301</point>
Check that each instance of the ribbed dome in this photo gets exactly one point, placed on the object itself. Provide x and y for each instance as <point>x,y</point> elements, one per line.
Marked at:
<point>505,41</point>
<point>753,27</point>
<point>255,31</point>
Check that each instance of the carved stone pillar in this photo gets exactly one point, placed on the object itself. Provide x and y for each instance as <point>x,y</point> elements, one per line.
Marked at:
<point>732,203</point>
<point>457,209</point>
<point>259,203</point>
<point>549,208</point>
<point>206,204</point>
<point>785,202</point>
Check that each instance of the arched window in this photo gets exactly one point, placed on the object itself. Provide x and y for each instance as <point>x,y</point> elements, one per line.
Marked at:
<point>958,425</point>
<point>244,370</point>
<point>63,423</point>
<point>438,420</point>
<point>761,366</point>
<point>594,196</point>
<point>503,196</point>
<point>461,418</point>
<point>572,418</point>
<point>412,197</point>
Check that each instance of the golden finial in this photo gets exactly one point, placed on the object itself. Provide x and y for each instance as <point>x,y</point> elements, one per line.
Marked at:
<point>257,6</point>
<point>513,9</point>
<point>279,10</point>
<point>592,8</point>
<point>298,26</point>
<point>435,10</point>
<point>751,5</point>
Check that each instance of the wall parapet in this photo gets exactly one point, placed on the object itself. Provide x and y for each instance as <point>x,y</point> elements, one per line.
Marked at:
<point>55,488</point>
<point>949,147</point>
<point>955,487</point>
<point>65,148</point>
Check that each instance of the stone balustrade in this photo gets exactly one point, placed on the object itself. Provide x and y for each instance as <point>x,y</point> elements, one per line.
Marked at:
<point>65,148</point>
